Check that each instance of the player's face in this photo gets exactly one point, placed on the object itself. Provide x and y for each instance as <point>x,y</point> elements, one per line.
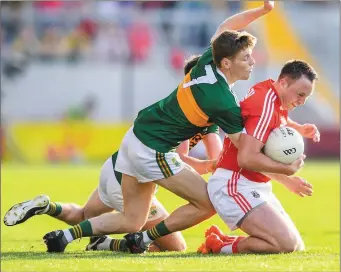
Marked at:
<point>296,92</point>
<point>241,67</point>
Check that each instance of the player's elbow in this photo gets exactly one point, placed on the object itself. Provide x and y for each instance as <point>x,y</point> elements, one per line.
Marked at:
<point>243,160</point>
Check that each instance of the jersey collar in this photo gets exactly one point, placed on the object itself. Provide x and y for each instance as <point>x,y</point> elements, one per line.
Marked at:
<point>221,73</point>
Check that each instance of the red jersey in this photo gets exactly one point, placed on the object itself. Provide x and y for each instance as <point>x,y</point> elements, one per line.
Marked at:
<point>261,111</point>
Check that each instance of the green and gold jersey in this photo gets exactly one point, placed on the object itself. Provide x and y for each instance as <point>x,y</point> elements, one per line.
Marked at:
<point>199,136</point>
<point>203,98</point>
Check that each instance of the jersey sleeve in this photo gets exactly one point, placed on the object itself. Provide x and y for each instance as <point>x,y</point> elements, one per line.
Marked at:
<point>228,119</point>
<point>206,57</point>
<point>259,116</point>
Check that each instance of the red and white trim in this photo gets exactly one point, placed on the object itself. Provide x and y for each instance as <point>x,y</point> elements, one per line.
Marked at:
<point>238,197</point>
<point>264,121</point>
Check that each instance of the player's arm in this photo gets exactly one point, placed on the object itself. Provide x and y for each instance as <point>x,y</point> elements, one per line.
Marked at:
<point>213,144</point>
<point>201,166</point>
<point>306,130</point>
<point>297,185</point>
<point>243,19</point>
<point>250,157</point>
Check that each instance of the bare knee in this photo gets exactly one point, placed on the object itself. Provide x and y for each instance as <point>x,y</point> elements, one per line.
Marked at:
<point>180,247</point>
<point>87,214</point>
<point>206,210</point>
<point>209,212</point>
<point>288,243</point>
<point>134,226</point>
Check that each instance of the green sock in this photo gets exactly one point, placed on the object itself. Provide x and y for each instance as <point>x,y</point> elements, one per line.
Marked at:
<point>118,245</point>
<point>158,231</point>
<point>55,209</point>
<point>83,229</point>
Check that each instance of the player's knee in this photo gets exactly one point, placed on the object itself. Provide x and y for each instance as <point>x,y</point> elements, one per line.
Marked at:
<point>301,245</point>
<point>86,213</point>
<point>207,211</point>
<point>288,244</point>
<point>182,246</point>
<point>134,227</point>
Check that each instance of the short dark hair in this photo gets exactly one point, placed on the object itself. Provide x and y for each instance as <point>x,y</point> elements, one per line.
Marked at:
<point>190,63</point>
<point>229,43</point>
<point>294,69</point>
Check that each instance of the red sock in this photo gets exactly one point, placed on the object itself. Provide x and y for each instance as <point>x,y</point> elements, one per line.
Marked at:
<point>235,244</point>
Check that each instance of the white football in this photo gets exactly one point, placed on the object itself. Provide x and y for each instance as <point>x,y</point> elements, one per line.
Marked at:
<point>284,145</point>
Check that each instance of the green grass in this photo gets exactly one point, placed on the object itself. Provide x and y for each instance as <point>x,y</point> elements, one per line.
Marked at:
<point>22,248</point>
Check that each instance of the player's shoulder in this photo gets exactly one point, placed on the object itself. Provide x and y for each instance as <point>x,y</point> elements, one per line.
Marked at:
<point>260,92</point>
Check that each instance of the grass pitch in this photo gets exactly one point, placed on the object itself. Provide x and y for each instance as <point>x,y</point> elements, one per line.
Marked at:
<point>22,248</point>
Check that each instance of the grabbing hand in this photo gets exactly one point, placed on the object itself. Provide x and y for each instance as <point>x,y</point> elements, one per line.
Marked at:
<point>268,6</point>
<point>309,131</point>
<point>299,186</point>
<point>296,165</point>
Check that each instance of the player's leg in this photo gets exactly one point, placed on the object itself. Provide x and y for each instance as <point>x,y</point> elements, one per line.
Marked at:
<point>241,203</point>
<point>276,203</point>
<point>157,213</point>
<point>190,186</point>
<point>74,214</point>
<point>269,232</point>
<point>172,242</point>
<point>137,199</point>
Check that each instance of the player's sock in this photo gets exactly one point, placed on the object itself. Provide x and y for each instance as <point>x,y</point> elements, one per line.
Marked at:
<point>232,248</point>
<point>54,209</point>
<point>117,244</point>
<point>154,233</point>
<point>83,229</point>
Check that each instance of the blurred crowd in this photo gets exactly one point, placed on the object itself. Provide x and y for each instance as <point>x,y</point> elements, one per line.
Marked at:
<point>100,30</point>
<point>111,31</point>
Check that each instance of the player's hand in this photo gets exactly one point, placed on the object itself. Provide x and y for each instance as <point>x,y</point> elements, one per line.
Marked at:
<point>211,166</point>
<point>268,6</point>
<point>296,165</point>
<point>309,131</point>
<point>299,186</point>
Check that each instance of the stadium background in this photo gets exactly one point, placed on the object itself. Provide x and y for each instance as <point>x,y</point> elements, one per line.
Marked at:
<point>74,74</point>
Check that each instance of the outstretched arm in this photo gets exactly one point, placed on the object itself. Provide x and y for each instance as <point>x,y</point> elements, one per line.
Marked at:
<point>243,19</point>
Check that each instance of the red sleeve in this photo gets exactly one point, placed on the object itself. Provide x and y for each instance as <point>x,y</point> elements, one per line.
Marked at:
<point>258,112</point>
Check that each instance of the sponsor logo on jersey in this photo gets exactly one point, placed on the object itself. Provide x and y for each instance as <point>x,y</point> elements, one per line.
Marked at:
<point>255,194</point>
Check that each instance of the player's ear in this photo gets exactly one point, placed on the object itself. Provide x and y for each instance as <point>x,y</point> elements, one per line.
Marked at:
<point>225,63</point>
<point>284,83</point>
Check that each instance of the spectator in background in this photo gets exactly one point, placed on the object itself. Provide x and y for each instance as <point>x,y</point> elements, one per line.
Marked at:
<point>26,43</point>
<point>111,43</point>
<point>140,40</point>
<point>77,44</point>
<point>50,44</point>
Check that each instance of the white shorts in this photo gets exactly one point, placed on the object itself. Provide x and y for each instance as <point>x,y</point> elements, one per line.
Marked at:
<point>110,192</point>
<point>138,160</point>
<point>233,196</point>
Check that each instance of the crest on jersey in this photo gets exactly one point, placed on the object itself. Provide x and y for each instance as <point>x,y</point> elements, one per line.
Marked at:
<point>255,194</point>
<point>176,162</point>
